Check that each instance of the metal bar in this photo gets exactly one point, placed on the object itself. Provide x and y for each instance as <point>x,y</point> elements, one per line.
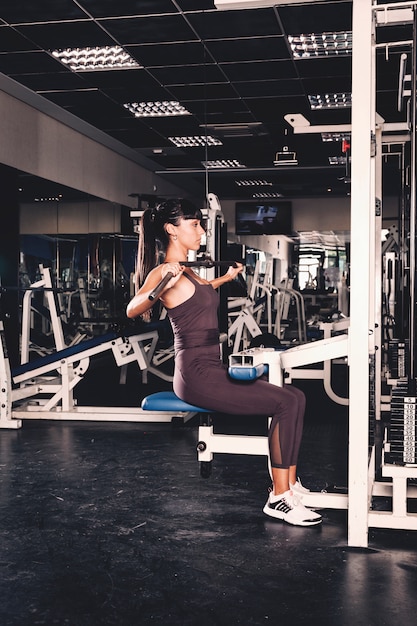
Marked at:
<point>203,263</point>
<point>160,286</point>
<point>413,204</point>
<point>362,211</point>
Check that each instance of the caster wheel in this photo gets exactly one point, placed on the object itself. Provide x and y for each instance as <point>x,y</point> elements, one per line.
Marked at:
<point>205,469</point>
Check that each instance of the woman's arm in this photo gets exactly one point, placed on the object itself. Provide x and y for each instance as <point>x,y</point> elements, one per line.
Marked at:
<point>141,303</point>
<point>231,273</point>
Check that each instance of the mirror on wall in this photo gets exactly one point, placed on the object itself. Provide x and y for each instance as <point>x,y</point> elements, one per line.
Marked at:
<point>86,246</point>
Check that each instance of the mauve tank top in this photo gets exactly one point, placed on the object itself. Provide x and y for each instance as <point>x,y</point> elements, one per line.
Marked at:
<point>200,377</point>
<point>195,322</point>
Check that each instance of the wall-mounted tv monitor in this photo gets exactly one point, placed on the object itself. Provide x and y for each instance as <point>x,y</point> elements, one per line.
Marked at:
<point>263,218</point>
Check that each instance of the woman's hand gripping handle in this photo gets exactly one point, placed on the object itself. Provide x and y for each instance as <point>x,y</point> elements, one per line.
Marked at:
<point>172,270</point>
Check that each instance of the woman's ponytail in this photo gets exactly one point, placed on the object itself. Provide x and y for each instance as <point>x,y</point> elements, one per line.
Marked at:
<point>147,247</point>
<point>153,238</point>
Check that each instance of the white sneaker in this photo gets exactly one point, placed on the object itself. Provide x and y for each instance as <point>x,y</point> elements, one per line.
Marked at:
<point>289,508</point>
<point>299,488</point>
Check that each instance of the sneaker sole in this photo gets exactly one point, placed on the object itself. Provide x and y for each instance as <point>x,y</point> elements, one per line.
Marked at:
<point>281,516</point>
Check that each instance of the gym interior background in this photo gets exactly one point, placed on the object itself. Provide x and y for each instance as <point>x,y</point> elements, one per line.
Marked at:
<point>292,124</point>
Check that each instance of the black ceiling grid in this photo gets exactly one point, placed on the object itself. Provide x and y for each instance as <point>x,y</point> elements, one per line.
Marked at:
<point>232,70</point>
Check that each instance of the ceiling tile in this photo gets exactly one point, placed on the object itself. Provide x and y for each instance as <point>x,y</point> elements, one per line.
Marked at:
<point>52,81</point>
<point>195,5</point>
<point>269,88</point>
<point>227,68</point>
<point>190,74</point>
<point>259,70</point>
<point>322,17</point>
<point>149,29</point>
<point>110,8</point>
<point>12,41</point>
<point>258,48</point>
<point>169,54</point>
<point>214,91</point>
<point>26,11</point>
<point>327,69</point>
<point>28,63</point>
<point>235,24</point>
<point>66,35</point>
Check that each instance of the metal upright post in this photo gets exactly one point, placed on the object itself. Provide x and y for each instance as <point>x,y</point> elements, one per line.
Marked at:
<point>412,329</point>
<point>362,212</point>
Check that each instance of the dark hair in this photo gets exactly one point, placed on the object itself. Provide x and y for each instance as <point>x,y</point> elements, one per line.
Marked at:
<point>153,238</point>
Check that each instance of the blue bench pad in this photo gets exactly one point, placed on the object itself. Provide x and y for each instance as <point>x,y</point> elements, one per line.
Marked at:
<point>54,357</point>
<point>168,401</point>
<point>247,372</point>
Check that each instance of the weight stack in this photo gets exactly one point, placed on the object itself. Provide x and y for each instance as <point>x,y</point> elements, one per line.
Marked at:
<point>402,428</point>
<point>372,402</point>
<point>398,353</point>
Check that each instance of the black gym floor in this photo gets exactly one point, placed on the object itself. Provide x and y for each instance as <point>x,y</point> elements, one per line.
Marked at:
<point>111,523</point>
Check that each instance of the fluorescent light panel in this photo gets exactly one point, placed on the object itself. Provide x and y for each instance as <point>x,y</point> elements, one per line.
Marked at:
<point>57,198</point>
<point>222,163</point>
<point>337,160</point>
<point>267,194</point>
<point>253,183</point>
<point>330,101</point>
<point>315,45</point>
<point>164,108</point>
<point>195,141</point>
<point>329,137</point>
<point>96,59</point>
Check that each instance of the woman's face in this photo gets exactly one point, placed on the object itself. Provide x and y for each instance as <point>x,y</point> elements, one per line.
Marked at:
<point>189,233</point>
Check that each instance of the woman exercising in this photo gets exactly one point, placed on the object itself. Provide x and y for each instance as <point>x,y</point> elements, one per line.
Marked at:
<point>200,378</point>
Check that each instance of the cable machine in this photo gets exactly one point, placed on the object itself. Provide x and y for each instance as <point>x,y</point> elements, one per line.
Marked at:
<point>372,472</point>
<point>366,472</point>
<point>401,448</point>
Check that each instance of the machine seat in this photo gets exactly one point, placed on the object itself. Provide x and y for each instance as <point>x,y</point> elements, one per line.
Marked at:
<point>168,401</point>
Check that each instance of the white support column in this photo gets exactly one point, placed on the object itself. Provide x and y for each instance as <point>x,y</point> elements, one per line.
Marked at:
<point>362,212</point>
<point>377,274</point>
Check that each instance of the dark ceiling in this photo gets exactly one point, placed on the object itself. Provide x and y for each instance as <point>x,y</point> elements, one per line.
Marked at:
<point>225,67</point>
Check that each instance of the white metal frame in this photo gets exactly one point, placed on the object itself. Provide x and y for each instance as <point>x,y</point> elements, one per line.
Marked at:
<point>365,271</point>
<point>289,360</point>
<point>46,390</point>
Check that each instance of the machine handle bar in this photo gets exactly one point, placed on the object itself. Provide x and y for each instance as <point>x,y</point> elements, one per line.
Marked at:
<point>205,263</point>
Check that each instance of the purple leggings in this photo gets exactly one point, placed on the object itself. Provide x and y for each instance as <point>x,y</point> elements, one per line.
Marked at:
<point>286,428</point>
<point>205,382</point>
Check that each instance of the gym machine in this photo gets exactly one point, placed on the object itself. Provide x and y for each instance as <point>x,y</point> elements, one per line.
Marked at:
<point>43,387</point>
<point>371,473</point>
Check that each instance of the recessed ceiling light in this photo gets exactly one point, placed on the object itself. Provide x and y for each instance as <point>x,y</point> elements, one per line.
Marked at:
<point>328,137</point>
<point>95,59</point>
<point>57,198</point>
<point>330,100</point>
<point>238,129</point>
<point>194,141</point>
<point>253,183</point>
<point>337,160</point>
<point>267,194</point>
<point>315,45</point>
<point>222,163</point>
<point>163,108</point>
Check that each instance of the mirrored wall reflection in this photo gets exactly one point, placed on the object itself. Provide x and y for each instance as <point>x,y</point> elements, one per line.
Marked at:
<point>322,272</point>
<point>83,245</point>
<point>93,273</point>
